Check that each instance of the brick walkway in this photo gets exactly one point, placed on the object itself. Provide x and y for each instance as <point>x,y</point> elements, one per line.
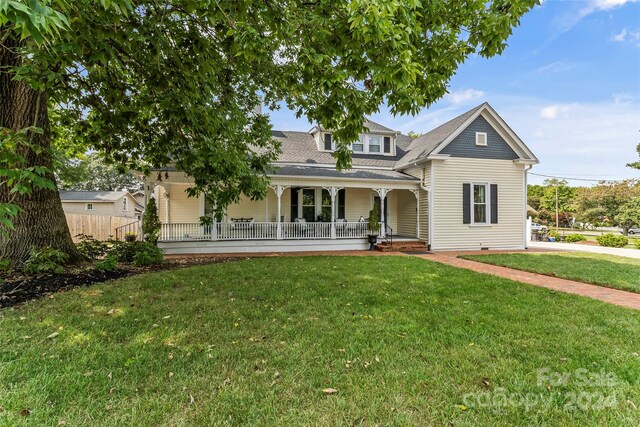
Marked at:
<point>612,296</point>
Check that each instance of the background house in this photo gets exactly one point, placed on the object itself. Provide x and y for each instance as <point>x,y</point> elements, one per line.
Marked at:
<point>102,203</point>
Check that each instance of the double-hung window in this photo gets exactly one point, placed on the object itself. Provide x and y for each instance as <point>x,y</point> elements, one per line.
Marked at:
<point>374,143</point>
<point>358,146</point>
<point>480,203</point>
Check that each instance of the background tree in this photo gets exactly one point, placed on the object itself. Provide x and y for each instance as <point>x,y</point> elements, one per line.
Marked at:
<point>635,165</point>
<point>534,194</point>
<point>628,215</point>
<point>153,83</point>
<point>600,204</point>
<point>91,173</point>
<point>414,135</point>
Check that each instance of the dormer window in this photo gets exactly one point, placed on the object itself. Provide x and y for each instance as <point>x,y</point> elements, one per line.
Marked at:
<point>358,146</point>
<point>481,139</point>
<point>328,142</point>
<point>387,145</point>
<point>374,143</point>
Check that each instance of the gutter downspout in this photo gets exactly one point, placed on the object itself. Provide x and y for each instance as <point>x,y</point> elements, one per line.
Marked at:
<point>429,199</point>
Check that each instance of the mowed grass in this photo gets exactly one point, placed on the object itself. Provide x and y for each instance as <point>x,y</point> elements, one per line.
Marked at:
<point>403,341</point>
<point>606,270</point>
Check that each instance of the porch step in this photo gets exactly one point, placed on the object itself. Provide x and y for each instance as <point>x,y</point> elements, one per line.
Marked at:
<point>400,246</point>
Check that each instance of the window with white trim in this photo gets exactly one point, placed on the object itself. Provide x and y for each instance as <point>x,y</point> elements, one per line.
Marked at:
<point>480,203</point>
<point>358,146</point>
<point>375,142</point>
<point>481,139</point>
<point>88,206</point>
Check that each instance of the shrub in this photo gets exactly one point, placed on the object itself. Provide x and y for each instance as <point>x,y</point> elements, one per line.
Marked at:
<point>612,240</point>
<point>107,264</point>
<point>131,237</point>
<point>150,221</point>
<point>555,235</point>
<point>90,247</point>
<point>140,253</point>
<point>572,238</point>
<point>5,265</point>
<point>46,260</point>
<point>148,254</point>
<point>637,243</point>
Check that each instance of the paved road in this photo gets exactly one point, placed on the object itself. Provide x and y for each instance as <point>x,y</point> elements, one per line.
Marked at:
<point>629,253</point>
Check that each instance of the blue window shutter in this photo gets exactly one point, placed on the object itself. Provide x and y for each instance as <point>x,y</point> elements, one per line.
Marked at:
<point>494,203</point>
<point>466,203</point>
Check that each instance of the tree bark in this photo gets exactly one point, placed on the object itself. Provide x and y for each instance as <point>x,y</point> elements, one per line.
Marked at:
<point>42,222</point>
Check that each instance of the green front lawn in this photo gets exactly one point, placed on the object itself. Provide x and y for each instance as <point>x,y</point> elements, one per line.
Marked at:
<point>401,340</point>
<point>606,270</point>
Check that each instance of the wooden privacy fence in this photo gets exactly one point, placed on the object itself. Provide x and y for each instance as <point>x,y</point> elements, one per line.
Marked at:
<point>100,227</point>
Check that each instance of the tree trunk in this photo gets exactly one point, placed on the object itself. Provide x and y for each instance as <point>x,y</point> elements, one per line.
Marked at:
<point>42,222</point>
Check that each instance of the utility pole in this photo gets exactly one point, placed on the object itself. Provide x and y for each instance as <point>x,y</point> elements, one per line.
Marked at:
<point>557,210</point>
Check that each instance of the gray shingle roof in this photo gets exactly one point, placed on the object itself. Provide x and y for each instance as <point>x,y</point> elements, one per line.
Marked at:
<point>376,127</point>
<point>300,147</point>
<point>95,196</point>
<point>365,174</point>
<point>425,144</point>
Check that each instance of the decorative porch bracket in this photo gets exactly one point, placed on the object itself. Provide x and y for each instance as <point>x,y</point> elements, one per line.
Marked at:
<point>333,192</point>
<point>382,193</point>
<point>417,194</point>
<point>279,190</point>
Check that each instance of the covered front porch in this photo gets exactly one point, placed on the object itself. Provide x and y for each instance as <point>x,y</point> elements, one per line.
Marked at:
<point>294,214</point>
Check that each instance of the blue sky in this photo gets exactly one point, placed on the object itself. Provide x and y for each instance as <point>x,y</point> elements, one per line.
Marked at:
<point>568,84</point>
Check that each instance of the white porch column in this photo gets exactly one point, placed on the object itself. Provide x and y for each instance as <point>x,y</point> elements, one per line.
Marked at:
<point>166,204</point>
<point>279,189</point>
<point>214,224</point>
<point>382,193</point>
<point>417,194</point>
<point>333,192</point>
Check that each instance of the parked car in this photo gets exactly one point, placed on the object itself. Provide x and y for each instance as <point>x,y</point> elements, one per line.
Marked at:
<point>539,228</point>
<point>634,230</point>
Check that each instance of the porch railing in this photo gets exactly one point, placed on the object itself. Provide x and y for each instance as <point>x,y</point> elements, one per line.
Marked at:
<point>262,231</point>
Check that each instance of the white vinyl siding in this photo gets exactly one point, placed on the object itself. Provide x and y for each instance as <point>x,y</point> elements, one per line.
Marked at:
<point>181,207</point>
<point>101,208</point>
<point>406,218</point>
<point>447,221</point>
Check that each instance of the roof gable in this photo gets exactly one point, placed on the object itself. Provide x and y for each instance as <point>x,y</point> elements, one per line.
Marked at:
<point>464,145</point>
<point>435,141</point>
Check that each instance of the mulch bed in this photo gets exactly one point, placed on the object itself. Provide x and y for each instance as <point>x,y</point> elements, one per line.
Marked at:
<point>17,288</point>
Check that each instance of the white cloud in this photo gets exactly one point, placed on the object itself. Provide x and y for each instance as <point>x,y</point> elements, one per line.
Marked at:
<point>610,4</point>
<point>568,21</point>
<point>463,96</point>
<point>623,98</point>
<point>620,36</point>
<point>553,111</point>
<point>627,36</point>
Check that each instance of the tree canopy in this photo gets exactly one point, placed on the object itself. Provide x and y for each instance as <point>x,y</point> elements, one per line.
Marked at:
<point>91,173</point>
<point>156,83</point>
